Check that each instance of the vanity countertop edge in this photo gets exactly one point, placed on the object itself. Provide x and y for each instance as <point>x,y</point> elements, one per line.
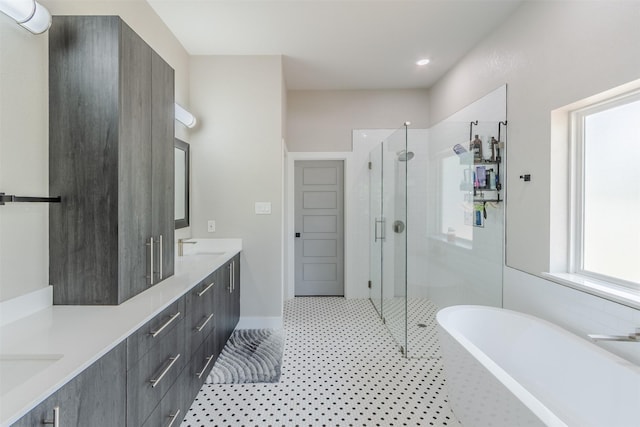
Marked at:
<point>82,334</point>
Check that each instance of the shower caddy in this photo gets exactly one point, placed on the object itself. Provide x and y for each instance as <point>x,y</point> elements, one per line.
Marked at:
<point>472,185</point>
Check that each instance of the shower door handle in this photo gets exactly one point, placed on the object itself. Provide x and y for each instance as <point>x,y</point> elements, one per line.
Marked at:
<point>381,234</point>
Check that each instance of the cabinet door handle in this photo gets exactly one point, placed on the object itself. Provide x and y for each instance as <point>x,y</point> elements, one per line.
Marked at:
<point>173,360</point>
<point>201,373</point>
<point>56,418</point>
<point>167,323</point>
<point>233,275</point>
<point>150,276</point>
<point>230,278</point>
<point>201,327</point>
<point>173,417</point>
<point>202,292</point>
<point>161,258</point>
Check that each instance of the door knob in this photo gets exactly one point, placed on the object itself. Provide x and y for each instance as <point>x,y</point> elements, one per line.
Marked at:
<point>297,234</point>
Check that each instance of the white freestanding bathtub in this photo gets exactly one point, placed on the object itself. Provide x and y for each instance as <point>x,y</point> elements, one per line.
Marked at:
<point>505,368</point>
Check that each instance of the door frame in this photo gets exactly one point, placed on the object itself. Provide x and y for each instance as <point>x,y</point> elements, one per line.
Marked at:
<point>345,156</point>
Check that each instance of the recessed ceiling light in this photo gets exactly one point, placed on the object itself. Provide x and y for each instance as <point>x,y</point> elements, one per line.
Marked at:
<point>423,62</point>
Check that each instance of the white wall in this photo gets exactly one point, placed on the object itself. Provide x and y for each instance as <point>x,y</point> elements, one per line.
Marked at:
<point>24,124</point>
<point>323,120</point>
<point>550,54</point>
<point>578,312</point>
<point>237,160</point>
<point>24,159</point>
<point>480,250</point>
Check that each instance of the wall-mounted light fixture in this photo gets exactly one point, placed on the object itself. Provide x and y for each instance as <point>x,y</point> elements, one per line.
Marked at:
<point>185,117</point>
<point>28,13</point>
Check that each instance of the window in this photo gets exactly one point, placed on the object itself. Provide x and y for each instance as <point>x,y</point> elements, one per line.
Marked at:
<point>456,207</point>
<point>606,183</point>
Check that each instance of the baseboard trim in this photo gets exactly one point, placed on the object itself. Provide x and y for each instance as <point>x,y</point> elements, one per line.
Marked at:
<point>260,323</point>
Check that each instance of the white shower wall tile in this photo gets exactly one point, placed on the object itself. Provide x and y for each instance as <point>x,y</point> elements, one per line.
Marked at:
<point>340,368</point>
<point>576,311</point>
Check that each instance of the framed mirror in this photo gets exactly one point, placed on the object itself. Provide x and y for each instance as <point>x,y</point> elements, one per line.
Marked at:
<point>181,156</point>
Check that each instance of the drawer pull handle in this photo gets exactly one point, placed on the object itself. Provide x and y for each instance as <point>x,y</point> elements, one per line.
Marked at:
<point>171,319</point>
<point>56,418</point>
<point>173,417</point>
<point>173,360</point>
<point>201,327</point>
<point>202,292</point>
<point>201,373</point>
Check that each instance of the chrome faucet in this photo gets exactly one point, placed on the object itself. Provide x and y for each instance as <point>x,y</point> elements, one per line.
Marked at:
<point>633,337</point>
<point>181,243</point>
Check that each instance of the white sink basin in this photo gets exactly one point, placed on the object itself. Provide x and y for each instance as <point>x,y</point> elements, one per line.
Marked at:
<point>197,251</point>
<point>15,369</point>
<point>215,247</point>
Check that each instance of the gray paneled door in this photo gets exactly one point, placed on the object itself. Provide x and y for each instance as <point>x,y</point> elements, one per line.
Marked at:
<point>319,226</point>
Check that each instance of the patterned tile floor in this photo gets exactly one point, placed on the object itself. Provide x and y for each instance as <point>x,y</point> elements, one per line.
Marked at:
<point>421,326</point>
<point>340,368</point>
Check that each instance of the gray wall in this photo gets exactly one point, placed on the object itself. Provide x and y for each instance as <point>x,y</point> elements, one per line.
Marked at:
<point>236,161</point>
<point>323,120</point>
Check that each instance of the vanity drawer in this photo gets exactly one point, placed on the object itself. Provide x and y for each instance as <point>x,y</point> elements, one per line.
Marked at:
<point>152,376</point>
<point>149,335</point>
<point>200,312</point>
<point>173,407</point>
<point>201,363</point>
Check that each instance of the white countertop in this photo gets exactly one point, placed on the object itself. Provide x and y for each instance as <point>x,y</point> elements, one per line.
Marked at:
<point>64,340</point>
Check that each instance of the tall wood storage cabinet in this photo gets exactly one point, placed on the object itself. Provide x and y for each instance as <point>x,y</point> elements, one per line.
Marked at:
<point>111,130</point>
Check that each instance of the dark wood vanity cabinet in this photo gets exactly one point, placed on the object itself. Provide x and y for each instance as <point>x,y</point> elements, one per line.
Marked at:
<point>163,163</point>
<point>201,309</point>
<point>235,294</point>
<point>111,130</point>
<point>96,397</point>
<point>152,378</point>
<point>156,358</point>
<point>227,301</point>
<point>211,312</point>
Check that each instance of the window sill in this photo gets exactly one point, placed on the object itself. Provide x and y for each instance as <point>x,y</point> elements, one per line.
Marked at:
<point>602,289</point>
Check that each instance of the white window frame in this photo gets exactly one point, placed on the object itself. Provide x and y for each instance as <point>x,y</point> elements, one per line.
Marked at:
<point>576,237</point>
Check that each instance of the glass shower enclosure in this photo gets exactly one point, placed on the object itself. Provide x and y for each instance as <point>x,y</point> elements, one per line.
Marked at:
<point>388,242</point>
<point>436,221</point>
<point>376,219</point>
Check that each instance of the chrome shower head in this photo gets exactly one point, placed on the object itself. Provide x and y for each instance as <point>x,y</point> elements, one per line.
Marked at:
<point>405,156</point>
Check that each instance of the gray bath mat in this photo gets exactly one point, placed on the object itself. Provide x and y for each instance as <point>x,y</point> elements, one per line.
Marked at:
<point>250,356</point>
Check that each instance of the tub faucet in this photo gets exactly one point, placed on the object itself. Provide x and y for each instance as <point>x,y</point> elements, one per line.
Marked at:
<point>633,337</point>
<point>181,243</point>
